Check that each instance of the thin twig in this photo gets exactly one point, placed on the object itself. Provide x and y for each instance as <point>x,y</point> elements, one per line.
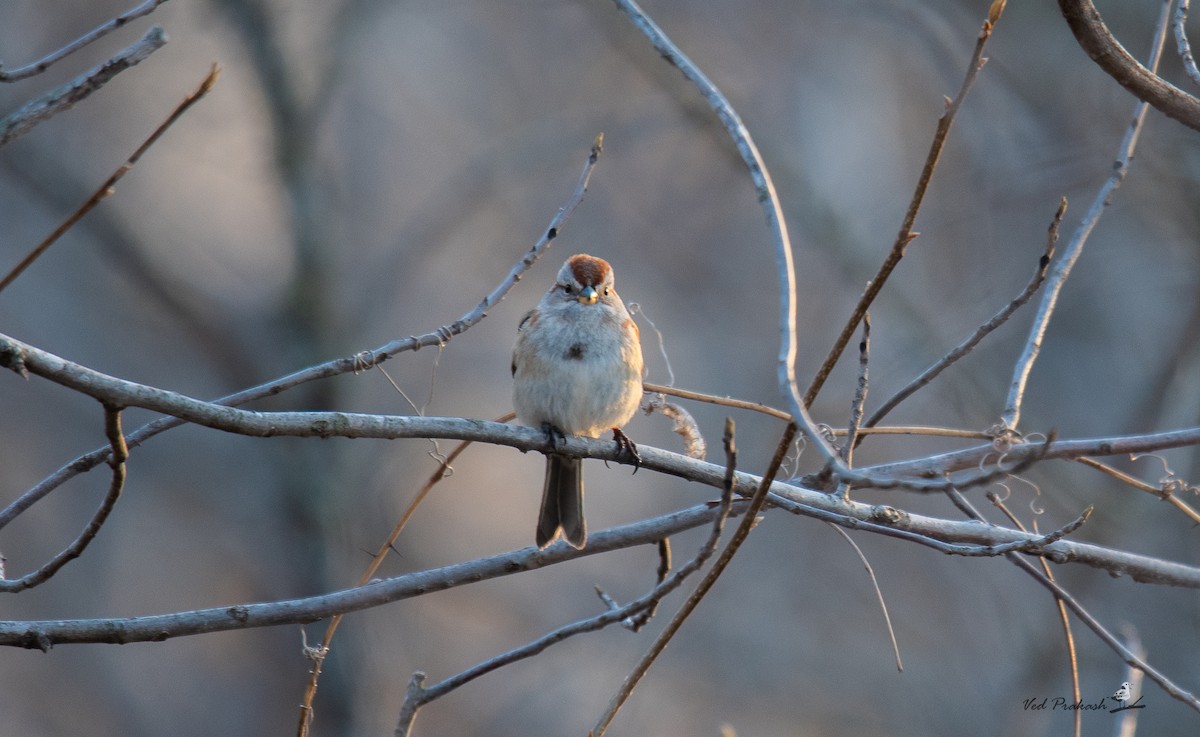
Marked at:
<point>860,392</point>
<point>66,96</point>
<point>44,63</point>
<point>1001,317</point>
<point>714,399</point>
<point>1127,725</point>
<point>1181,41</point>
<point>887,619</point>
<point>1068,635</point>
<point>1131,659</point>
<point>109,185</point>
<point>1105,636</point>
<point>417,695</point>
<point>764,190</point>
<point>722,562</point>
<point>1157,491</point>
<point>336,367</point>
<point>906,234</point>
<point>444,465</point>
<point>1066,260</point>
<point>120,452</point>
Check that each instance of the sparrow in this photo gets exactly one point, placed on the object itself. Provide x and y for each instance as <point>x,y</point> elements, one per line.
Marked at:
<point>577,370</point>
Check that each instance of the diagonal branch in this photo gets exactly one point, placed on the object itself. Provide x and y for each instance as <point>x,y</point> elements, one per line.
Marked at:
<point>1066,260</point>
<point>983,330</point>
<point>107,187</point>
<point>64,98</point>
<point>735,543</point>
<point>41,65</point>
<point>418,695</point>
<point>10,355</point>
<point>906,234</point>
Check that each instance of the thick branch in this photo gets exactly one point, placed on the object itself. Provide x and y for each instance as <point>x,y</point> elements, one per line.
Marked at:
<point>1111,56</point>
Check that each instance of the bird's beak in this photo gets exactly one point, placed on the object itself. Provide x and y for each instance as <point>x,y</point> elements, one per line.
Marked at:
<point>588,296</point>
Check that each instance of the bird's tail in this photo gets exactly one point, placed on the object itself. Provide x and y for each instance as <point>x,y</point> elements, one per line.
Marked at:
<point>562,503</point>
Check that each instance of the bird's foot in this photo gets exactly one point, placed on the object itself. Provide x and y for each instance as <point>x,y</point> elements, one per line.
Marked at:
<point>627,448</point>
<point>554,437</point>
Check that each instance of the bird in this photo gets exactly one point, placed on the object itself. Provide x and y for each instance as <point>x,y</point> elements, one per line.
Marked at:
<point>577,370</point>
<point>1123,693</point>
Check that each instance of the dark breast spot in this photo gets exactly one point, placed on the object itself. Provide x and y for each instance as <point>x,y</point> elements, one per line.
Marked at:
<point>575,352</point>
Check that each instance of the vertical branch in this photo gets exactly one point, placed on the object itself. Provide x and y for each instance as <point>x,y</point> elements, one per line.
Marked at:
<point>1181,42</point>
<point>1066,260</point>
<point>860,393</point>
<point>1064,618</point>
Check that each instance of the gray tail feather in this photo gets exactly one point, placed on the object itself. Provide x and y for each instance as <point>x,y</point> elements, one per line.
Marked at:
<point>562,503</point>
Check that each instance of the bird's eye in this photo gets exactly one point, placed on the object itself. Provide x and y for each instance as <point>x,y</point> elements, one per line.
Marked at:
<point>567,288</point>
<point>607,291</point>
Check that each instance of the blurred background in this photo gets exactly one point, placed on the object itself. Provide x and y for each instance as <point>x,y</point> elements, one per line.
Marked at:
<point>369,170</point>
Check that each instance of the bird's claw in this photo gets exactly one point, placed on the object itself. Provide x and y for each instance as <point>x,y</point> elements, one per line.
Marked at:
<point>627,448</point>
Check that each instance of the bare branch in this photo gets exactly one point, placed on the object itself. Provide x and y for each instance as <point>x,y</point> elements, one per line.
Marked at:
<point>1132,659</point>
<point>1066,260</point>
<point>1181,41</point>
<point>1144,83</point>
<point>417,695</point>
<point>983,330</point>
<point>44,63</point>
<point>64,97</point>
<point>906,234</point>
<point>764,189</point>
<point>735,542</point>
<point>1064,618</point>
<point>108,187</point>
<point>10,356</point>
<point>887,618</point>
<point>48,633</point>
<point>120,452</point>
<point>860,392</point>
